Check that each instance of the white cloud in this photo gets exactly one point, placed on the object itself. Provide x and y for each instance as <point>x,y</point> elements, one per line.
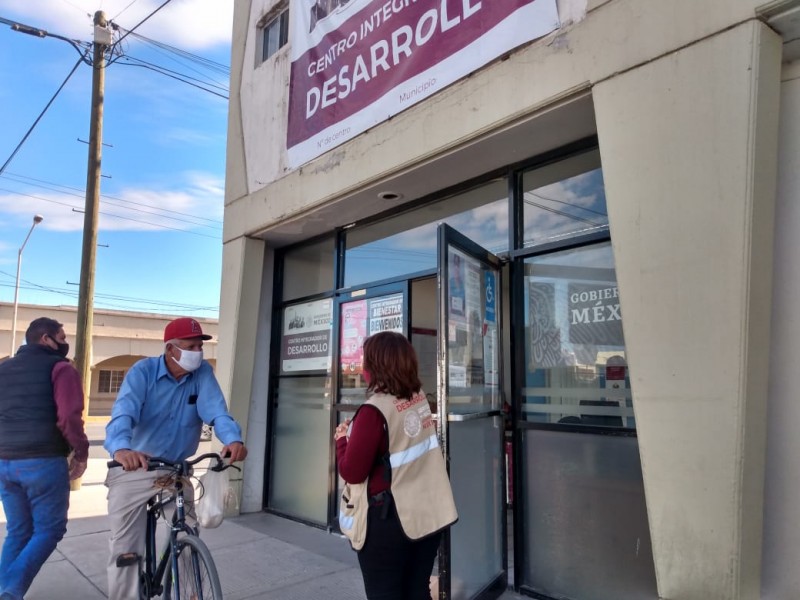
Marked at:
<point>193,138</point>
<point>193,202</point>
<point>187,24</point>
<point>578,191</point>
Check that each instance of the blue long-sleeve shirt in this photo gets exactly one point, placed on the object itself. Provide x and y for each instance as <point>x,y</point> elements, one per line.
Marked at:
<point>161,416</point>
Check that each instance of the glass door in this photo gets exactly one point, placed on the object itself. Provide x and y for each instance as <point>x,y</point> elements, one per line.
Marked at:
<point>472,559</point>
<point>360,313</point>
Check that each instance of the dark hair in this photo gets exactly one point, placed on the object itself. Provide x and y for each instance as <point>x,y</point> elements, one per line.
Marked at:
<point>392,364</point>
<point>42,326</point>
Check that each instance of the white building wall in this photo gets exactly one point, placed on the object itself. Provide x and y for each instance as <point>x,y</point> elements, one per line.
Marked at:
<point>686,99</point>
<point>241,307</point>
<point>268,122</point>
<point>688,145</point>
<point>613,37</point>
<point>781,579</point>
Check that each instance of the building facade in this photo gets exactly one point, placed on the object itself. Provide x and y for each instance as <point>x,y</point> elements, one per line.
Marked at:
<point>583,214</point>
<point>119,339</point>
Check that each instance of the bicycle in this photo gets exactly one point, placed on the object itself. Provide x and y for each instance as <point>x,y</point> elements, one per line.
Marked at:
<point>185,569</point>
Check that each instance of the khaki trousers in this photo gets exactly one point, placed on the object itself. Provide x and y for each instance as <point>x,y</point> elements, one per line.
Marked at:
<point>128,493</point>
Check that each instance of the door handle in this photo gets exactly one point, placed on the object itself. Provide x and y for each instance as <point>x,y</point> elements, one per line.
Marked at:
<point>458,417</point>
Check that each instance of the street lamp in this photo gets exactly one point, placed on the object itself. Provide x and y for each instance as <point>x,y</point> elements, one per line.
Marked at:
<point>36,220</point>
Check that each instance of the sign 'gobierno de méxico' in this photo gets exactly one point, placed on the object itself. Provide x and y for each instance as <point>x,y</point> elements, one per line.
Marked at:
<point>356,63</point>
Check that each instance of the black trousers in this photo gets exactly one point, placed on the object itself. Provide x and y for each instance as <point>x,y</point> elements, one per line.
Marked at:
<point>394,567</point>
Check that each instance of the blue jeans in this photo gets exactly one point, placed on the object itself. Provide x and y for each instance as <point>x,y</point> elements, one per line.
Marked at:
<point>35,495</point>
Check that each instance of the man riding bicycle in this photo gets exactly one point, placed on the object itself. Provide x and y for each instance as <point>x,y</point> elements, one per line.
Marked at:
<point>159,411</point>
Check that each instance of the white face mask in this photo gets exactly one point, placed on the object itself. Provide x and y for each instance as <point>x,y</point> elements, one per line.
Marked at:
<point>190,360</point>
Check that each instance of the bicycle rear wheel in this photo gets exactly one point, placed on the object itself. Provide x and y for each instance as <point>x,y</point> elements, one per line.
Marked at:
<point>197,574</point>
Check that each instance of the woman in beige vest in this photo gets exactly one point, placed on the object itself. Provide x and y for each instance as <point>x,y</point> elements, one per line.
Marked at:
<point>392,446</point>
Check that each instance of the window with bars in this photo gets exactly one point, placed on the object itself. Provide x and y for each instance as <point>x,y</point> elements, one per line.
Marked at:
<point>109,381</point>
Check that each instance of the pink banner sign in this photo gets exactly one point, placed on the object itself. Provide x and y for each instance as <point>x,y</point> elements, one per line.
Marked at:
<point>356,63</point>
<point>353,332</point>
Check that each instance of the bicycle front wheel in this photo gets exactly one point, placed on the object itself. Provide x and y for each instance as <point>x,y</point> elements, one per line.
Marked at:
<point>197,577</point>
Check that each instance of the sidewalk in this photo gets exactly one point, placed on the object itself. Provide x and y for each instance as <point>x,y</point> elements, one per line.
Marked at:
<point>258,556</point>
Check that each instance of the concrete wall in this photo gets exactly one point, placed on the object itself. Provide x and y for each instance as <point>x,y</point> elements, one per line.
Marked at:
<point>685,96</point>
<point>242,265</point>
<point>781,523</point>
<point>613,37</point>
<point>690,182</point>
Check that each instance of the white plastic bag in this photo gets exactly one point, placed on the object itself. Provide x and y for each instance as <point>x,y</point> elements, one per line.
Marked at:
<point>215,495</point>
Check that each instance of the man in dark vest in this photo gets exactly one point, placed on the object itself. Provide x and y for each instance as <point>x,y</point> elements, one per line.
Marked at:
<point>43,447</point>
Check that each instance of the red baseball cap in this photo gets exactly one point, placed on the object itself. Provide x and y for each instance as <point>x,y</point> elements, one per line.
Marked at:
<point>183,329</point>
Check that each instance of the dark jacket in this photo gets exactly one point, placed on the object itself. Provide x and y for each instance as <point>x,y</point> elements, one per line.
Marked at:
<point>28,417</point>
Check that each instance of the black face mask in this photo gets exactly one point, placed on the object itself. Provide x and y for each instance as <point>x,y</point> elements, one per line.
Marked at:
<point>63,349</point>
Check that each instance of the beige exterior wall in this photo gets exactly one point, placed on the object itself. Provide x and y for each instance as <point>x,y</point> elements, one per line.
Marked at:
<point>611,38</point>
<point>241,296</point>
<point>690,181</point>
<point>781,530</point>
<point>684,97</point>
<point>119,339</point>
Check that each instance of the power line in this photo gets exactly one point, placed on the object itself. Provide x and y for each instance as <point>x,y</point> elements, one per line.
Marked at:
<point>101,303</point>
<point>36,122</point>
<point>157,68</point>
<point>80,209</point>
<point>80,46</point>
<point>213,237</point>
<point>163,72</point>
<point>578,206</point>
<point>10,175</point>
<point>144,62</point>
<point>202,66</point>
<point>556,211</point>
<point>139,210</point>
<point>124,9</point>
<point>136,26</point>
<point>78,8</point>
<point>186,59</point>
<point>168,73</point>
<point>70,293</point>
<point>206,62</point>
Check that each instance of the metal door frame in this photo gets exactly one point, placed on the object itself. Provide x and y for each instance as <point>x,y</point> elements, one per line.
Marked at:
<point>447,237</point>
<point>337,407</point>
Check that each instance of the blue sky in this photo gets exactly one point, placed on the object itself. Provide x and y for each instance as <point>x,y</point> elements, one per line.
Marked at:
<point>163,176</point>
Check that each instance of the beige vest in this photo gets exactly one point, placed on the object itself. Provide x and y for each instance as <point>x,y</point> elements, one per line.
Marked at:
<point>420,485</point>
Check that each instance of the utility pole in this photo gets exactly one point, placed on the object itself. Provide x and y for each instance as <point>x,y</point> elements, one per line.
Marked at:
<point>83,337</point>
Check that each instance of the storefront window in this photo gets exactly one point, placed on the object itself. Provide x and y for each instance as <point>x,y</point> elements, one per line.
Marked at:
<point>302,421</point>
<point>583,504</point>
<point>308,270</point>
<point>302,405</point>
<point>575,360</point>
<point>406,243</point>
<point>564,200</point>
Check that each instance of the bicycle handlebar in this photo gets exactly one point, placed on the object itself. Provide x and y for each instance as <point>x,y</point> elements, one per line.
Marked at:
<point>156,462</point>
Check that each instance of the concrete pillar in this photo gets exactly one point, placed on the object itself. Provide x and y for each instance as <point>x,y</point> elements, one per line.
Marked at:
<point>239,316</point>
<point>781,554</point>
<point>688,143</point>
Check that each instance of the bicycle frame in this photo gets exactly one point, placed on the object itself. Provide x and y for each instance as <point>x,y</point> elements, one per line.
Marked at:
<point>155,571</point>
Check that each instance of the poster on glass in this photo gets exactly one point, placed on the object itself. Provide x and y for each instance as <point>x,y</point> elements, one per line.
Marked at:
<point>306,337</point>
